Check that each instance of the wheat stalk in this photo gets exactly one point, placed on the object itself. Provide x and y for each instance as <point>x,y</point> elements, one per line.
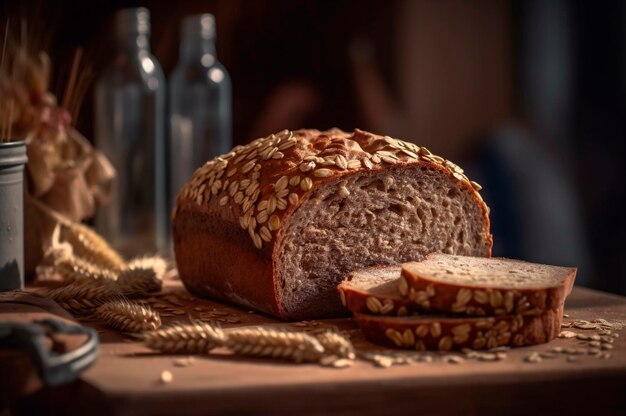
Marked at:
<point>264,342</point>
<point>335,344</point>
<point>134,282</point>
<point>82,296</point>
<point>194,338</point>
<point>128,316</point>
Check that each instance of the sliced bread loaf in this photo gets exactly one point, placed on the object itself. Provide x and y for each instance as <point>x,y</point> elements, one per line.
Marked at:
<point>276,224</point>
<point>454,333</point>
<point>480,286</point>
<point>375,291</point>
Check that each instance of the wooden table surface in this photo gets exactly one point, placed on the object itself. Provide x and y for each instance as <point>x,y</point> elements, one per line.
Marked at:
<point>126,378</point>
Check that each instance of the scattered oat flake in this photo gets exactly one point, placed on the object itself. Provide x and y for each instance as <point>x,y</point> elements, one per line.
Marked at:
<point>166,377</point>
<point>533,358</point>
<point>342,363</point>
<point>182,362</point>
<point>567,334</point>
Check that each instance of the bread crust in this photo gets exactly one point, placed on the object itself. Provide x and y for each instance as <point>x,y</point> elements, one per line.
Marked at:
<point>455,333</point>
<point>225,246</point>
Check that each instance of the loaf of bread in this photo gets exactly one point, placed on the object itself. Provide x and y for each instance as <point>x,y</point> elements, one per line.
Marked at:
<point>276,224</point>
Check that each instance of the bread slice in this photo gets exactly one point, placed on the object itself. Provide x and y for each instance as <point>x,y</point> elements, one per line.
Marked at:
<point>375,291</point>
<point>455,333</point>
<point>480,286</point>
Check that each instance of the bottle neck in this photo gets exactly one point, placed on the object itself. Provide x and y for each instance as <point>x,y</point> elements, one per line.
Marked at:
<point>196,48</point>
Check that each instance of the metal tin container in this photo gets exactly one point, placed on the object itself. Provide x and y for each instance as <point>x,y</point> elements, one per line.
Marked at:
<point>12,161</point>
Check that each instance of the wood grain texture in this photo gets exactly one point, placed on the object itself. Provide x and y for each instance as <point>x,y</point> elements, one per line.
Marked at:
<point>127,374</point>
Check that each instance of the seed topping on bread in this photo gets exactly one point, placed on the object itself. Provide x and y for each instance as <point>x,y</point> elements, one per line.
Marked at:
<point>265,178</point>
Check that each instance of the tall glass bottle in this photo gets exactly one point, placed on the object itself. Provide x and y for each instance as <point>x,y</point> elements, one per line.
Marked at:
<point>129,129</point>
<point>200,103</point>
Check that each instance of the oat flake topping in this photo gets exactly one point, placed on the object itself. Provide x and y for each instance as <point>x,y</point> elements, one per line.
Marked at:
<point>260,180</point>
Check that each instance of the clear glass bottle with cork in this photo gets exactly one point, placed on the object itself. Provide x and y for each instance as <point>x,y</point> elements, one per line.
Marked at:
<point>200,103</point>
<point>130,131</point>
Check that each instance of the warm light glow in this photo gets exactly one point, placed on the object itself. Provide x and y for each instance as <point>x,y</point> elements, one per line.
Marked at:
<point>216,75</point>
<point>147,64</point>
<point>207,59</point>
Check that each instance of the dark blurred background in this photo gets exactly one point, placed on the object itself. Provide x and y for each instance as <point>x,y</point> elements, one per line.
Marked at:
<point>529,96</point>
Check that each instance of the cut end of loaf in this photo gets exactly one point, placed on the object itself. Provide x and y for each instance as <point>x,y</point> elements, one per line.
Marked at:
<point>381,280</point>
<point>487,273</point>
<point>391,216</point>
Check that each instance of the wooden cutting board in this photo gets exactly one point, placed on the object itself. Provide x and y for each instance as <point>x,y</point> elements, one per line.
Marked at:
<point>127,375</point>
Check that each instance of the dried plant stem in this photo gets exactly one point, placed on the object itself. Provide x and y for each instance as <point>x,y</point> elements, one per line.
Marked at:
<point>85,78</point>
<point>82,296</point>
<point>194,338</point>
<point>129,316</point>
<point>335,344</point>
<point>69,88</point>
<point>264,342</point>
<point>4,45</point>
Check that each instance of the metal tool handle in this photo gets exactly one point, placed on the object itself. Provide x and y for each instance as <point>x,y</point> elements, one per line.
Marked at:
<point>53,368</point>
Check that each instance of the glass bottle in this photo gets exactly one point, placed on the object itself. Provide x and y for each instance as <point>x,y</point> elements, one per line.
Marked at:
<point>200,103</point>
<point>129,130</point>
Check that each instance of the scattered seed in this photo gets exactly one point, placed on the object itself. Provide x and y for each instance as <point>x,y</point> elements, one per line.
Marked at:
<point>453,359</point>
<point>166,377</point>
<point>487,356</point>
<point>533,358</point>
<point>548,355</point>
<point>183,362</point>
<point>342,363</point>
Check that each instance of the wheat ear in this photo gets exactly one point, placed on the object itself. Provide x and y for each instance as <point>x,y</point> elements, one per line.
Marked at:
<point>336,344</point>
<point>91,246</point>
<point>75,268</point>
<point>128,316</point>
<point>264,342</point>
<point>82,296</point>
<point>194,338</point>
<point>134,282</point>
<point>156,263</point>
<point>85,242</point>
